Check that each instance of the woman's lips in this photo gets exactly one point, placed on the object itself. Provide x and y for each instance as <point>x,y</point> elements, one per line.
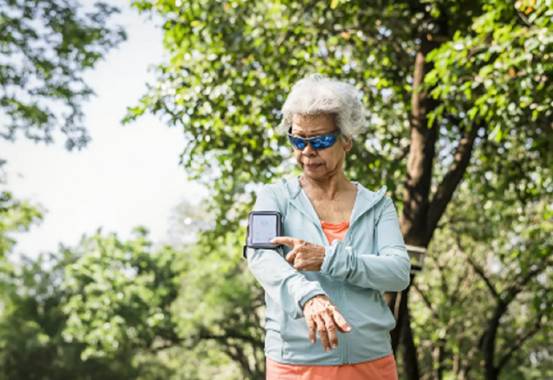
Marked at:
<point>312,166</point>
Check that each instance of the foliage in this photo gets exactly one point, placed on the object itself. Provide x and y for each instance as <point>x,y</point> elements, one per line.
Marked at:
<point>123,309</point>
<point>100,310</point>
<point>15,216</point>
<point>226,80</point>
<point>483,266</point>
<point>498,74</point>
<point>220,302</point>
<point>232,63</point>
<point>46,45</point>
<point>121,293</point>
<point>31,324</point>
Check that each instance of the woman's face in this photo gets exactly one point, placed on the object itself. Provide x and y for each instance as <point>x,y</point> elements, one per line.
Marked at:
<point>323,163</point>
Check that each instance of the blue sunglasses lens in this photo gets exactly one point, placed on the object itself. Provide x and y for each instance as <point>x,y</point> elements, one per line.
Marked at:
<point>298,142</point>
<point>323,142</point>
<point>319,142</point>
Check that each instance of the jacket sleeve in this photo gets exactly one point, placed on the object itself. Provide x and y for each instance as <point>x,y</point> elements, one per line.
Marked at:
<point>283,284</point>
<point>388,270</point>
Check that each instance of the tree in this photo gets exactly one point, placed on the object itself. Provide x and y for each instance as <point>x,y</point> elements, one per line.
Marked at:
<point>120,296</point>
<point>485,294</point>
<point>101,309</point>
<point>448,84</point>
<point>219,303</point>
<point>46,45</point>
<point>15,215</point>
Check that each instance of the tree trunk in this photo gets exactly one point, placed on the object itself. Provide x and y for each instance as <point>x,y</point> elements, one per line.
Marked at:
<point>422,209</point>
<point>421,156</point>
<point>488,344</point>
<point>410,360</point>
<point>416,197</point>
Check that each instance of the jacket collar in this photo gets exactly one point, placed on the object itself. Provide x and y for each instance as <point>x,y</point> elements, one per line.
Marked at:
<point>364,200</point>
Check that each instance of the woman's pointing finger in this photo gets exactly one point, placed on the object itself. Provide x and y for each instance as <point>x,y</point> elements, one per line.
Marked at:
<point>285,240</point>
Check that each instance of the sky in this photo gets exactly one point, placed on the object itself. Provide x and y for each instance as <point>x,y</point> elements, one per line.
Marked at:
<point>126,176</point>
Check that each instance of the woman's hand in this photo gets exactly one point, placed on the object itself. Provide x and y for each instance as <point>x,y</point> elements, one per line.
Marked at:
<point>304,255</point>
<point>322,316</point>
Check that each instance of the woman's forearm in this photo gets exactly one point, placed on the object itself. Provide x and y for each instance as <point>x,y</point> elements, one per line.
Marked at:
<point>284,284</point>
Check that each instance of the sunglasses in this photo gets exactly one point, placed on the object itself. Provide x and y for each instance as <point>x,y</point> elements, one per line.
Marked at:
<point>316,142</point>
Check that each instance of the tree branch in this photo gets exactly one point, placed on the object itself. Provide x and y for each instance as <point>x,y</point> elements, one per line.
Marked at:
<point>505,358</point>
<point>518,286</point>
<point>488,339</point>
<point>236,353</point>
<point>454,298</point>
<point>204,334</point>
<point>452,178</point>
<point>480,272</point>
<point>426,301</point>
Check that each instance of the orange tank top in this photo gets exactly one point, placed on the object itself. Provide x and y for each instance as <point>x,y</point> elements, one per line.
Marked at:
<point>335,231</point>
<point>381,368</point>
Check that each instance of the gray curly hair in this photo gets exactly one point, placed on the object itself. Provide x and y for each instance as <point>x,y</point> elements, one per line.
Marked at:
<point>318,94</point>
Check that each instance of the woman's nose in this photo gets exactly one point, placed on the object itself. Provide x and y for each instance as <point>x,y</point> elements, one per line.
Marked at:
<point>308,150</point>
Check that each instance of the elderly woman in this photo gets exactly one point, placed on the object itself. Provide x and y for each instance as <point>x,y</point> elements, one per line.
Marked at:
<point>341,249</point>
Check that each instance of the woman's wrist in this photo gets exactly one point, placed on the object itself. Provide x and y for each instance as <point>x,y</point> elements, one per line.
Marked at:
<point>313,299</point>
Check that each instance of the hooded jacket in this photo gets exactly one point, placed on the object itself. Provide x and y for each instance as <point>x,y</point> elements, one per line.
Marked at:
<point>355,272</point>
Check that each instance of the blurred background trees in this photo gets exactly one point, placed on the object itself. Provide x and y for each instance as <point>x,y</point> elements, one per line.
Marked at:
<point>46,45</point>
<point>461,131</point>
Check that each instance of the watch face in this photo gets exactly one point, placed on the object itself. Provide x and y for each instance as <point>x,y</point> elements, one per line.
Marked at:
<point>264,228</point>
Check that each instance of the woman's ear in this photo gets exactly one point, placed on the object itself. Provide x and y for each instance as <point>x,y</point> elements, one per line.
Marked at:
<point>347,143</point>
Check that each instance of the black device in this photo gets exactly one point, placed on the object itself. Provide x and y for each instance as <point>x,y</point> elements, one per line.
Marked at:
<point>262,227</point>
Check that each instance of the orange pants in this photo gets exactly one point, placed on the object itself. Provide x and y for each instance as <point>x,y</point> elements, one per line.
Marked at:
<point>378,369</point>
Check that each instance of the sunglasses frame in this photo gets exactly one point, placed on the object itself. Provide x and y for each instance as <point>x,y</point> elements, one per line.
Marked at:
<point>308,140</point>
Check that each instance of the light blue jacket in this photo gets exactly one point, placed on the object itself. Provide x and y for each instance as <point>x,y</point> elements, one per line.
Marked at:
<point>370,260</point>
